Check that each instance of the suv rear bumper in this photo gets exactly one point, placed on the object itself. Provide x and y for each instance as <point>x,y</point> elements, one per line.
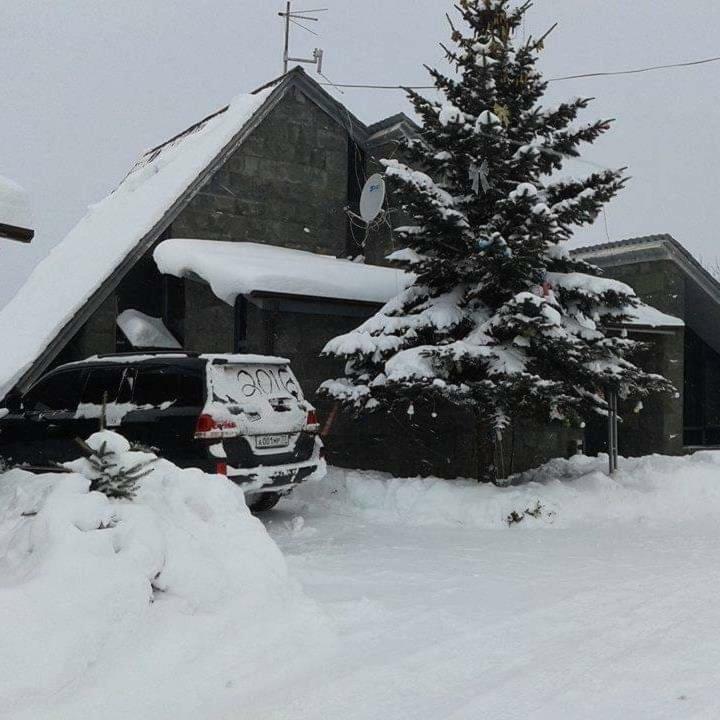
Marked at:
<point>280,478</point>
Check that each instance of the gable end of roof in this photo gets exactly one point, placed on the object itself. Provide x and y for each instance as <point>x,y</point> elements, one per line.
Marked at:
<point>649,248</point>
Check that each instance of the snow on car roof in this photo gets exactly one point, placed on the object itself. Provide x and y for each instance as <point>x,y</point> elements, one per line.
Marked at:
<point>64,281</point>
<point>242,268</point>
<point>247,359</point>
<point>228,358</point>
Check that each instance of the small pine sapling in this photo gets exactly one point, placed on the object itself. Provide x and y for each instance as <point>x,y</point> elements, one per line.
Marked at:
<point>111,477</point>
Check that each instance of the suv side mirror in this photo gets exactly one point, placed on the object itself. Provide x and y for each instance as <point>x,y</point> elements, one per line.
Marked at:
<point>13,401</point>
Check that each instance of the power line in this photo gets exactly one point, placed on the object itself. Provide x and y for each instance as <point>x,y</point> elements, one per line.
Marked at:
<point>615,73</point>
<point>638,70</point>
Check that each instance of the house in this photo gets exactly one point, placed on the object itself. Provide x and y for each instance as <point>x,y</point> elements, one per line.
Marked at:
<point>233,236</point>
<point>277,167</point>
<point>666,276</point>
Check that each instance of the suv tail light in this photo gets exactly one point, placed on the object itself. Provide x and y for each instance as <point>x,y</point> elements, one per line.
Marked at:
<point>208,428</point>
<point>312,424</point>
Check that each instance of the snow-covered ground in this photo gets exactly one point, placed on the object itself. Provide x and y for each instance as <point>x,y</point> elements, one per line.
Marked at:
<point>396,599</point>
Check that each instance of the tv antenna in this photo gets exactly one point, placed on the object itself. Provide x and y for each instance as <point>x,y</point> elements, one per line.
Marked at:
<point>295,18</point>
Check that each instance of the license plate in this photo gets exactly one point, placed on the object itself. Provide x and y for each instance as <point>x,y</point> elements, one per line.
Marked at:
<point>271,441</point>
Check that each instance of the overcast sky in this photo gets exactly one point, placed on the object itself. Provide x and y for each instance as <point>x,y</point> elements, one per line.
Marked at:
<point>88,84</point>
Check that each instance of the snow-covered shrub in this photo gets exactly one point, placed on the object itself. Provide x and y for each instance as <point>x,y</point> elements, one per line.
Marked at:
<point>111,465</point>
<point>536,511</point>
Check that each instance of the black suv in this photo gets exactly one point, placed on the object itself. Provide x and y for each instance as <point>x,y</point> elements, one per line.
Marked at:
<point>239,415</point>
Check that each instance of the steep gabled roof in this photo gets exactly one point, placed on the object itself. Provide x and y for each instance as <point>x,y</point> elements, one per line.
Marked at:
<point>398,122</point>
<point>85,267</point>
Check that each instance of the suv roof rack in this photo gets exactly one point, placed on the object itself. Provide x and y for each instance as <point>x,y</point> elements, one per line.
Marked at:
<point>144,353</point>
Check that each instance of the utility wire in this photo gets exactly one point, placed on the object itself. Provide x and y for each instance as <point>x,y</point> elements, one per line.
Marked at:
<point>638,70</point>
<point>635,71</point>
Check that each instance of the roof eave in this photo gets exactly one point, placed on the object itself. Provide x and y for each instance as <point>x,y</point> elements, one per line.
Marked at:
<point>658,247</point>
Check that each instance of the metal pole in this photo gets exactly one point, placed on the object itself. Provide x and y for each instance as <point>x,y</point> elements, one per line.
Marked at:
<point>616,443</point>
<point>286,53</point>
<point>610,432</point>
<point>612,402</point>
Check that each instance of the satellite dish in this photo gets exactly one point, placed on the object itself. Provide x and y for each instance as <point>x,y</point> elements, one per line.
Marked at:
<point>372,198</point>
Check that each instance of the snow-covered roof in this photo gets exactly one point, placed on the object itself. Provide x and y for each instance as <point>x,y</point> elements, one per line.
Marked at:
<point>71,282</point>
<point>648,316</point>
<point>65,280</point>
<point>243,268</point>
<point>15,208</point>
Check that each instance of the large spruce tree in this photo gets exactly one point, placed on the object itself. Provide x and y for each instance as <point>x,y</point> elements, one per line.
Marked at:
<point>499,317</point>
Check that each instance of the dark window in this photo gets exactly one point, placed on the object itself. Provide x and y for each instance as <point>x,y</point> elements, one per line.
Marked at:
<point>174,306</point>
<point>103,384</point>
<point>241,312</point>
<point>702,392</point>
<point>57,392</point>
<point>180,386</point>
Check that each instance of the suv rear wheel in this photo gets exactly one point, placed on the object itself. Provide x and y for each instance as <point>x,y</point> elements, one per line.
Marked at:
<point>262,502</point>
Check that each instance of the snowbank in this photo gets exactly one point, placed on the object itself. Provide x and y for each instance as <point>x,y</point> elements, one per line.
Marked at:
<point>560,494</point>
<point>179,598</point>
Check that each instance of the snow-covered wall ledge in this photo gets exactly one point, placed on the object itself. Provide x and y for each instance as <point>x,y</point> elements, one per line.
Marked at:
<point>242,268</point>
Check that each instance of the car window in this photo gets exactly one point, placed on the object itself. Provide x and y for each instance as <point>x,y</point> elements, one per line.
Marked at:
<point>60,391</point>
<point>102,380</point>
<point>180,386</point>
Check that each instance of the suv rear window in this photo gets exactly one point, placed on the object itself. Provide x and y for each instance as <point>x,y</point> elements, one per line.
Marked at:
<point>181,386</point>
<point>57,392</point>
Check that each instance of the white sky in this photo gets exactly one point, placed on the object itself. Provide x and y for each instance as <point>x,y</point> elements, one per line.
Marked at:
<point>88,84</point>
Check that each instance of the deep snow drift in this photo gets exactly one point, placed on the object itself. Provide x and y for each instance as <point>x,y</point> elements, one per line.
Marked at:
<point>167,606</point>
<point>418,599</point>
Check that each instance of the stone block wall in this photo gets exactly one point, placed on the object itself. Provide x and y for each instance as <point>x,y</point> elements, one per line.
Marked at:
<point>209,322</point>
<point>658,427</point>
<point>286,185</point>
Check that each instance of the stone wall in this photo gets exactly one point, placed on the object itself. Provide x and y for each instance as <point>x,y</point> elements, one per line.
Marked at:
<point>209,322</point>
<point>286,185</point>
<point>658,427</point>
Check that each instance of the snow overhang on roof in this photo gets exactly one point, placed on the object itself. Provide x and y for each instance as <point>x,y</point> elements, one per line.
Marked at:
<point>15,213</point>
<point>243,268</point>
<point>646,316</point>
